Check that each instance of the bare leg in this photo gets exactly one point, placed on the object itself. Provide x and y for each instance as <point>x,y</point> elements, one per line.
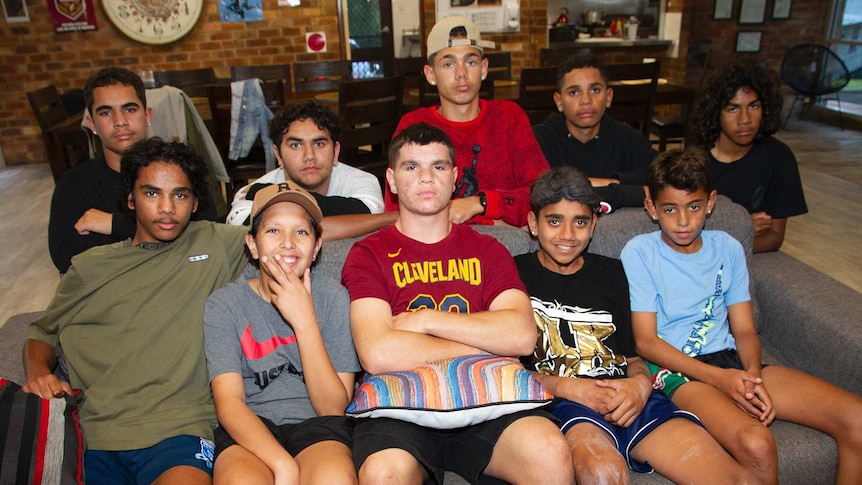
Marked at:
<point>745,438</point>
<point>596,458</point>
<point>183,475</point>
<point>804,399</point>
<point>326,463</point>
<point>532,451</point>
<point>686,453</point>
<point>391,466</point>
<point>238,465</point>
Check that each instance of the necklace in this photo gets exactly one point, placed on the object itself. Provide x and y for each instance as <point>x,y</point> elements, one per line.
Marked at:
<point>260,291</point>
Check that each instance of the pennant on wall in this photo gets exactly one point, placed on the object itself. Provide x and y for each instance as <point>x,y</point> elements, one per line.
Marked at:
<point>72,15</point>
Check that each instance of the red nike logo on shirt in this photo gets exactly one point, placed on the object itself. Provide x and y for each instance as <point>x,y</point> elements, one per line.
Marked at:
<point>252,349</point>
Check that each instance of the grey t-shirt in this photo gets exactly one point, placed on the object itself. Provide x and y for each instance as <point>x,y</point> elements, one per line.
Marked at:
<point>245,334</point>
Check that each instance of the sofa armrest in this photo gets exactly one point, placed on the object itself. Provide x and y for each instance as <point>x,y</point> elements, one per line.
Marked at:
<point>809,320</point>
<point>13,334</point>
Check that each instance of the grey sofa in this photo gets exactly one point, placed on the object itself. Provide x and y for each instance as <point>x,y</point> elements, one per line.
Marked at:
<point>806,320</point>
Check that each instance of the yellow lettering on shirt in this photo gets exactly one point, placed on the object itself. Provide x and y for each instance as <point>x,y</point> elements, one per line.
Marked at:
<point>469,270</point>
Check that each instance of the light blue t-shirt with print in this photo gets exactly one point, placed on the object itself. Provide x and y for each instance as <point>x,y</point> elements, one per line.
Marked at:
<point>689,293</point>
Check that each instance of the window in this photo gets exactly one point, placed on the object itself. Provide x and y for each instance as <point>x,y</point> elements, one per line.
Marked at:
<point>845,38</point>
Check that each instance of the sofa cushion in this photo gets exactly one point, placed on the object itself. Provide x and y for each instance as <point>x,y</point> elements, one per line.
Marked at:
<point>40,439</point>
<point>810,320</point>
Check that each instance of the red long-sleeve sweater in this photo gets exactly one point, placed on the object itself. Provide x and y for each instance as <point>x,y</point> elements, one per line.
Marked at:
<point>509,161</point>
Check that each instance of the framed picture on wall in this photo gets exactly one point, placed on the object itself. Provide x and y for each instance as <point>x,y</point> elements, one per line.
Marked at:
<point>723,10</point>
<point>748,41</point>
<point>781,9</point>
<point>15,11</point>
<point>752,11</point>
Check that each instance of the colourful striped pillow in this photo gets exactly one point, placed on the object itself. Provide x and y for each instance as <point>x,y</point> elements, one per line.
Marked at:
<point>451,393</point>
<point>40,439</point>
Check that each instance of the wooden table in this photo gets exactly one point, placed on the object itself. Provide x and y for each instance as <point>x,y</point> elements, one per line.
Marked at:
<point>667,94</point>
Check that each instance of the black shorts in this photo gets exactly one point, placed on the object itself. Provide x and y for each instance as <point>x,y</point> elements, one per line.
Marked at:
<point>297,437</point>
<point>725,359</point>
<point>465,451</point>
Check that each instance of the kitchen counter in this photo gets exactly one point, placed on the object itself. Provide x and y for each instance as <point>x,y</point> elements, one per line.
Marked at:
<point>615,42</point>
<point>611,50</point>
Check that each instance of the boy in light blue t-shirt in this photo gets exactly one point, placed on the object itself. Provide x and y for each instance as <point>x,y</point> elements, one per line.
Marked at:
<point>609,412</point>
<point>692,320</point>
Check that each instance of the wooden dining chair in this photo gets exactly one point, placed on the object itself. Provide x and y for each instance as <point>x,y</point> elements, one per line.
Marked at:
<point>536,90</point>
<point>411,70</point>
<point>320,76</point>
<point>634,88</point>
<point>499,66</point>
<point>555,57</point>
<point>66,144</point>
<point>193,82</point>
<point>268,72</point>
<point>240,171</point>
<point>674,127</point>
<point>369,110</point>
<point>262,72</point>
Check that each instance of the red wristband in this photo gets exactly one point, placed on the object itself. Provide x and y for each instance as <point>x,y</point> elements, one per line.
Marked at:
<point>492,209</point>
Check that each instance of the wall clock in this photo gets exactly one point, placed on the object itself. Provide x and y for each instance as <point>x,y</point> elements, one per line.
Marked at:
<point>154,21</point>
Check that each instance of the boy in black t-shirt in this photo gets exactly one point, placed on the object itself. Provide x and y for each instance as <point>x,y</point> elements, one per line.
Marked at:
<point>585,354</point>
<point>583,135</point>
<point>736,116</point>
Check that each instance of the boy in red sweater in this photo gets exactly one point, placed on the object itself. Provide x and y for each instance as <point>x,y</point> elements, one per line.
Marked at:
<point>497,156</point>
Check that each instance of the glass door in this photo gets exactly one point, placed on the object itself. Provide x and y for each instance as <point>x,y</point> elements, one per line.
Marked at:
<point>369,26</point>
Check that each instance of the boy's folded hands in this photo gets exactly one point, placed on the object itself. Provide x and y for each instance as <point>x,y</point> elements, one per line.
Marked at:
<point>747,392</point>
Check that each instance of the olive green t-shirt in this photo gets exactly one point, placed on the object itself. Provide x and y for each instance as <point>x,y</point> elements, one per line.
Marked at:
<point>129,322</point>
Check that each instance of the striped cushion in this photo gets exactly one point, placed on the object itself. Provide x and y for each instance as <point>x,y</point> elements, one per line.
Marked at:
<point>450,393</point>
<point>40,439</point>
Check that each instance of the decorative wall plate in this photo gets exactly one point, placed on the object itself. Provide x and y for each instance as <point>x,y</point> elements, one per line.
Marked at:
<point>154,21</point>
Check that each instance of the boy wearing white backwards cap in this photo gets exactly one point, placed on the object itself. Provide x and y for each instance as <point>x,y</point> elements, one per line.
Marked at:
<point>497,156</point>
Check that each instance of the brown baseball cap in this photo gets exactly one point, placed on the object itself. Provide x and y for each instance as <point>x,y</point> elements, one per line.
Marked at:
<point>286,191</point>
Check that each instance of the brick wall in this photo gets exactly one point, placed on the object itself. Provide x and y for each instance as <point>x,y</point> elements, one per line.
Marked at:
<point>808,22</point>
<point>32,55</point>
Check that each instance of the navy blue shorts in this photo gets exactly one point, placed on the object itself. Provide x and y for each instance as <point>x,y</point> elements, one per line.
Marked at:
<point>297,437</point>
<point>658,409</point>
<point>465,451</point>
<point>144,466</point>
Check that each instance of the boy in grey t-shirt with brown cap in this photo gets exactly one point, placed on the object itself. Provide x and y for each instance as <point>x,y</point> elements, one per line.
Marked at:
<point>280,355</point>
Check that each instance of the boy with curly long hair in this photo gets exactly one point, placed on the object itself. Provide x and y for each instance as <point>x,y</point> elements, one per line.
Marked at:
<point>737,114</point>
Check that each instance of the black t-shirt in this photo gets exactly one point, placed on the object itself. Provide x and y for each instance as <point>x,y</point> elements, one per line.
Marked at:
<point>94,185</point>
<point>765,179</point>
<point>586,318</point>
<point>89,185</point>
<point>618,151</point>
